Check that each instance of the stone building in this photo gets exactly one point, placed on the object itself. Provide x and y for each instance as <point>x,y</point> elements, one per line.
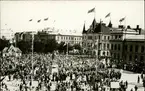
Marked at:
<point>96,40</point>
<point>45,35</point>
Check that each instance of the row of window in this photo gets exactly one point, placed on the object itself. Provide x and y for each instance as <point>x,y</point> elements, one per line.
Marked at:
<point>116,36</point>
<point>135,48</point>
<point>106,46</point>
<point>115,55</point>
<point>115,47</point>
<point>71,42</point>
<point>135,58</point>
<point>103,37</point>
<point>68,38</point>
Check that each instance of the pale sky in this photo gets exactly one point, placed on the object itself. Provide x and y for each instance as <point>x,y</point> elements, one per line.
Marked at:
<point>68,15</point>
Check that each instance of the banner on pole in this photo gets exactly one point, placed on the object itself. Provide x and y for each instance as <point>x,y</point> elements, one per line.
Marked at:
<point>114,84</point>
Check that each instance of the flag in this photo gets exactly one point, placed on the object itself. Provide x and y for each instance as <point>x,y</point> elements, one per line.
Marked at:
<point>39,20</point>
<point>107,15</point>
<point>122,19</point>
<point>91,10</point>
<point>30,20</point>
<point>45,19</point>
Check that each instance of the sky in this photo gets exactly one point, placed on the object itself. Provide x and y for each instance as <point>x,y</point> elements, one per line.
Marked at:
<point>68,15</point>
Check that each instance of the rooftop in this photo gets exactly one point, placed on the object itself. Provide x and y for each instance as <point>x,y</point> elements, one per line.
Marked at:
<point>135,37</point>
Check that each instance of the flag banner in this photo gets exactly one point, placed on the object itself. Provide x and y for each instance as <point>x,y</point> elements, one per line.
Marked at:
<point>122,19</point>
<point>30,20</point>
<point>38,21</point>
<point>45,19</point>
<point>92,10</point>
<point>107,15</point>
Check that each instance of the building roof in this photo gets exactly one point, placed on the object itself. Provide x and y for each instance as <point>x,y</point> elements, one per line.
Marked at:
<point>135,37</point>
<point>124,31</point>
<point>11,48</point>
<point>97,28</point>
<point>84,30</point>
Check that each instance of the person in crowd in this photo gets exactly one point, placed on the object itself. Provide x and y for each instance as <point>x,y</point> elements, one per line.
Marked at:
<point>135,88</point>
<point>138,79</point>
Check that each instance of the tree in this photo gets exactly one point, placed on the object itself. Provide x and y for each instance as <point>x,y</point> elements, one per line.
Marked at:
<point>144,82</point>
<point>70,47</point>
<point>60,47</point>
<point>50,45</point>
<point>39,47</point>
<point>3,44</point>
<point>25,46</point>
<point>77,46</point>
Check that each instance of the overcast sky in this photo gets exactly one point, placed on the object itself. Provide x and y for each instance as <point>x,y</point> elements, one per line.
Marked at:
<point>68,15</point>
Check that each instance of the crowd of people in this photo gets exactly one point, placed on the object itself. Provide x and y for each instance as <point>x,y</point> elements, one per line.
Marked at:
<point>74,73</point>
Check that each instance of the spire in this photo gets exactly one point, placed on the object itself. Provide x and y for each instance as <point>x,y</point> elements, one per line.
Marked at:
<point>110,24</point>
<point>94,23</point>
<point>84,30</point>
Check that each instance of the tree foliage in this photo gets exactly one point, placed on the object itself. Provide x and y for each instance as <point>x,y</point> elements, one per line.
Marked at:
<point>3,43</point>
<point>39,46</point>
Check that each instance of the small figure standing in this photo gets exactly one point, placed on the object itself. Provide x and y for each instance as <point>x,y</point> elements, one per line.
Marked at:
<point>135,88</point>
<point>138,81</point>
<point>126,83</point>
<point>131,90</point>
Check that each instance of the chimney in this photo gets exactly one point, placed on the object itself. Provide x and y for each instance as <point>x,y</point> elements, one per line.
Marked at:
<point>139,30</point>
<point>110,24</point>
<point>128,27</point>
<point>137,27</point>
<point>120,26</point>
<point>104,24</point>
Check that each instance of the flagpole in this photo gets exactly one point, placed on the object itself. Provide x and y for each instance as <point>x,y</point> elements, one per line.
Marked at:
<point>95,12</point>
<point>125,22</point>
<point>110,16</point>
<point>67,48</point>
<point>32,58</point>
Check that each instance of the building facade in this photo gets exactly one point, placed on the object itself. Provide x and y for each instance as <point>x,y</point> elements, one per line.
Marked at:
<point>44,36</point>
<point>96,40</point>
<point>134,48</point>
<point>110,43</point>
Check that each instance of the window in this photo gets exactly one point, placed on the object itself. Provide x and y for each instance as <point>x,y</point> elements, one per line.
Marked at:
<point>104,37</point>
<point>99,36</point>
<point>108,37</point>
<point>99,46</point>
<point>112,46</point>
<point>88,44</point>
<point>136,48</point>
<point>130,48</point>
<point>119,36</point>
<point>118,46</point>
<point>130,58</point>
<point>107,53</point>
<point>141,58</point>
<point>95,37</point>
<point>142,49</point>
<point>135,58</point>
<point>103,53</point>
<point>104,46</point>
<point>108,46</point>
<point>115,36</point>
<point>98,52</point>
<point>126,47</point>
<point>118,56</point>
<point>114,55</point>
<point>111,53</point>
<point>89,37</point>
<point>112,37</point>
<point>115,47</point>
